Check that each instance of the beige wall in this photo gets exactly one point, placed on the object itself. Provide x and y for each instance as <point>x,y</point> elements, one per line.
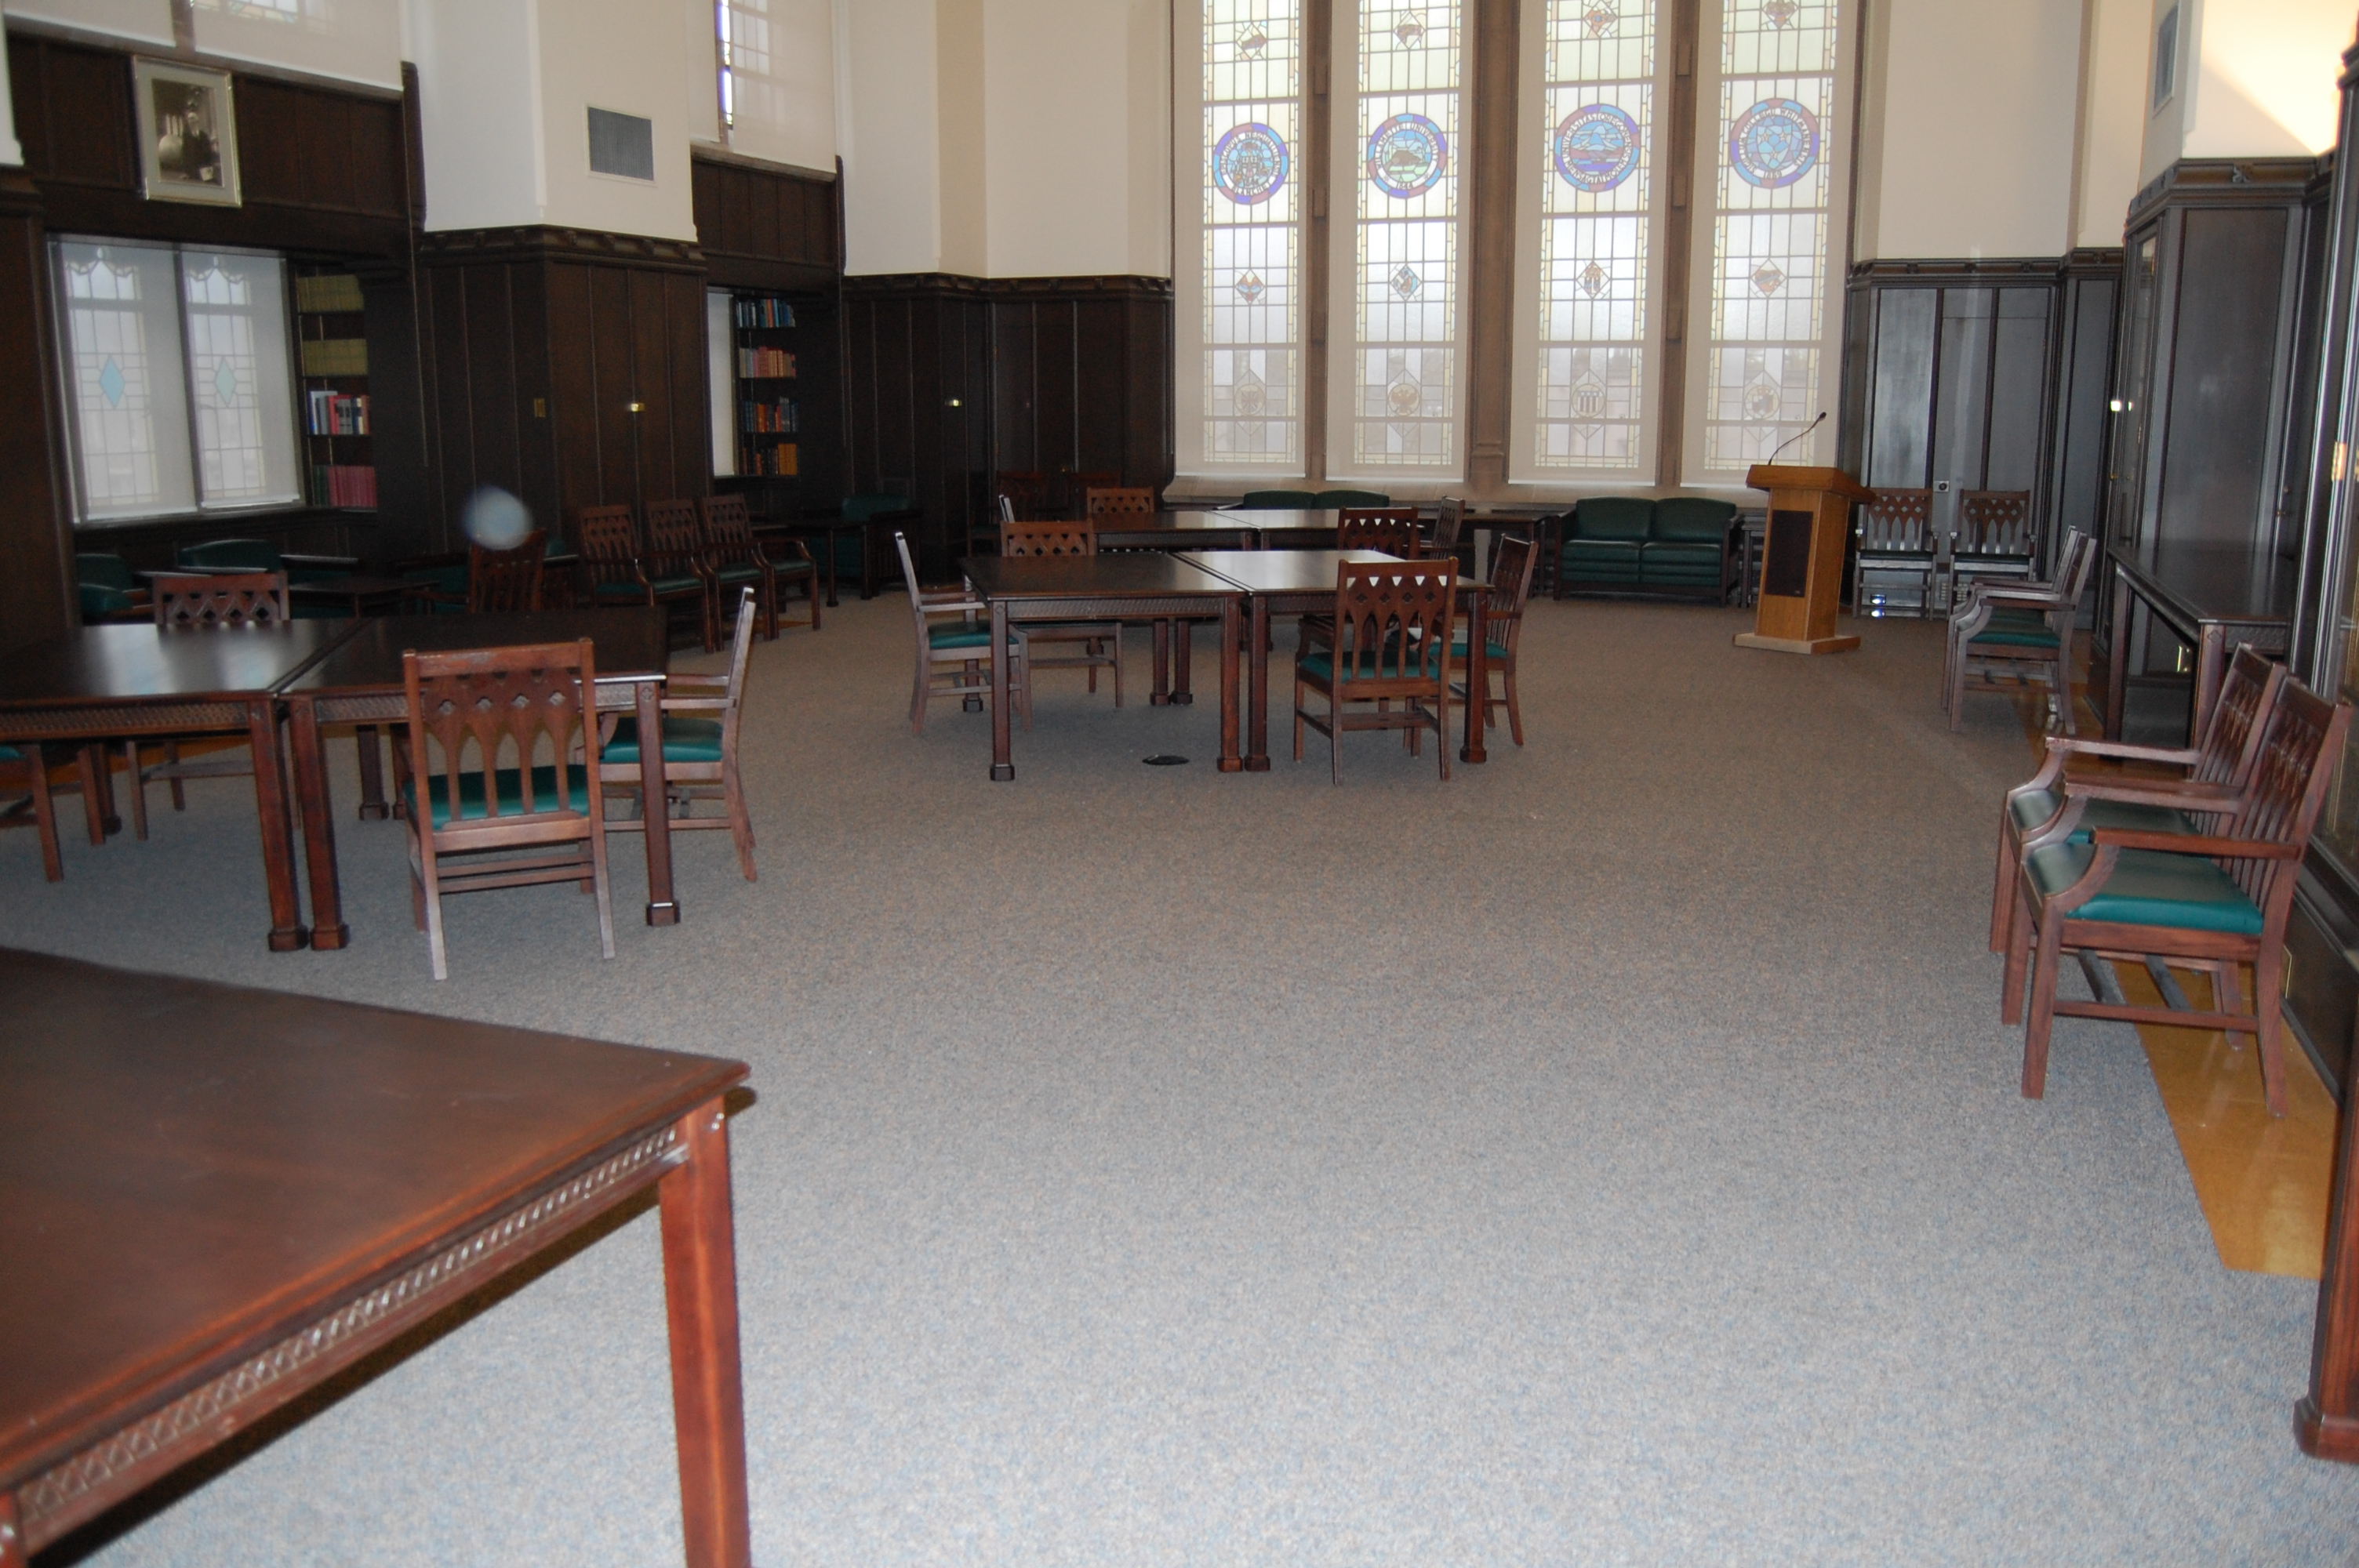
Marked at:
<point>478,114</point>
<point>2256,79</point>
<point>356,42</point>
<point>2112,117</point>
<point>888,128</point>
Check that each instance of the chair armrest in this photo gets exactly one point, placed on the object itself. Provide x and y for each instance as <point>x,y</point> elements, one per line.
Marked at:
<point>2072,745</point>
<point>2180,795</point>
<point>2198,844</point>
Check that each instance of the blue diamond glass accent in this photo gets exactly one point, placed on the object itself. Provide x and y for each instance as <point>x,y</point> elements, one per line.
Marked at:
<point>109,381</point>
<point>224,383</point>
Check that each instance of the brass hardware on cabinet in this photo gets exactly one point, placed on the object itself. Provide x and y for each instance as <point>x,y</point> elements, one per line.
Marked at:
<point>540,408</point>
<point>638,407</point>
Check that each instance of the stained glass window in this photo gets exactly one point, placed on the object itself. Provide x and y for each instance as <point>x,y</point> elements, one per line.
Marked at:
<point>1397,393</point>
<point>238,389</point>
<point>1764,378</point>
<point>1589,377</point>
<point>1250,294</point>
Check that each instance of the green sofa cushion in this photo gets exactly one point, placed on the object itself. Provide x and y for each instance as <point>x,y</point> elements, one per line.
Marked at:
<point>1337,499</point>
<point>98,600</point>
<point>1613,517</point>
<point>2150,888</point>
<point>1622,550</point>
<point>685,741</point>
<point>510,786</point>
<point>1655,553</point>
<point>1693,519</point>
<point>1279,501</point>
<point>2036,806</point>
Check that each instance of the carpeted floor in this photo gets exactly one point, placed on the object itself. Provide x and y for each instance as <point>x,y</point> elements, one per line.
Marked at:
<point>1611,1156</point>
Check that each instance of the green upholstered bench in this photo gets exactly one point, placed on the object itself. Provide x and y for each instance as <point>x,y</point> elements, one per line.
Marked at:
<point>1617,544</point>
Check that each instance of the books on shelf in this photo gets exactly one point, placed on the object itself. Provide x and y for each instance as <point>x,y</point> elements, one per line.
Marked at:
<point>335,356</point>
<point>345,484</point>
<point>779,461</point>
<point>337,413</point>
<point>764,313</point>
<point>759,364</point>
<point>334,291</point>
<point>767,418</point>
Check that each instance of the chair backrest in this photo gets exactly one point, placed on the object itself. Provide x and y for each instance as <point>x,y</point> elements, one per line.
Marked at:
<point>1129,501</point>
<point>741,650</point>
<point>2080,565</point>
<point>2301,745</point>
<point>1048,539</point>
<point>507,582</point>
<point>917,594</point>
<point>1392,529</point>
<point>231,556</point>
<point>486,708</point>
<point>101,568</point>
<point>1449,523</point>
<point>1511,580</point>
<point>1995,523</point>
<point>1898,520</point>
<point>728,527</point>
<point>607,538</point>
<point>672,536</point>
<point>1327,498</point>
<point>221,598</point>
<point>2232,735</point>
<point>1394,618</point>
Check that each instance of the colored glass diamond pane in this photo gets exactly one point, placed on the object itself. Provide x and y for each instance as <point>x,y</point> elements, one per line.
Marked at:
<point>109,381</point>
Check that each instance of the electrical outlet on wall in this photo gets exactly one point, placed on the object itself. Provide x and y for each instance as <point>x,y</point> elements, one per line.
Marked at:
<point>1942,487</point>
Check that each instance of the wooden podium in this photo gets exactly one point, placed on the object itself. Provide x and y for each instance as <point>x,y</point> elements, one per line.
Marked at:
<point>1802,560</point>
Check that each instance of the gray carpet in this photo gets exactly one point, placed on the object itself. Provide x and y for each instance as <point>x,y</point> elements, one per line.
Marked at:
<point>1610,1156</point>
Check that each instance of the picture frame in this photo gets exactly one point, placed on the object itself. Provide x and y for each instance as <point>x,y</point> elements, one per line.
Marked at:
<point>187,133</point>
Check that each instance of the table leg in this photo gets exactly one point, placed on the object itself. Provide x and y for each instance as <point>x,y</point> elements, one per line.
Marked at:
<point>1183,649</point>
<point>2210,669</point>
<point>1478,681</point>
<point>829,536</point>
<point>2326,1421</point>
<point>287,932</point>
<point>1162,693</point>
<point>2117,658</point>
<point>663,906</point>
<point>373,805</point>
<point>708,1399</point>
<point>1232,633</point>
<point>329,931</point>
<point>1258,687</point>
<point>12,1533</point>
<point>1003,738</point>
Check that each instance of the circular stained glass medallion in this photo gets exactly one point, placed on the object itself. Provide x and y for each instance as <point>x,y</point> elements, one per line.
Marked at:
<point>1596,147</point>
<point>1249,163</point>
<point>1774,142</point>
<point>1406,156</point>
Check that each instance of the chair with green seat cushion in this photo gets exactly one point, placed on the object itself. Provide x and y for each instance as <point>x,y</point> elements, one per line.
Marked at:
<point>2211,902</point>
<point>1336,500</point>
<point>701,715</point>
<point>619,571</point>
<point>1512,561</point>
<point>1986,654</point>
<point>860,553</point>
<point>2211,775</point>
<point>108,589</point>
<point>1392,624</point>
<point>1279,501</point>
<point>955,656</point>
<point>738,560</point>
<point>27,768</point>
<point>492,733</point>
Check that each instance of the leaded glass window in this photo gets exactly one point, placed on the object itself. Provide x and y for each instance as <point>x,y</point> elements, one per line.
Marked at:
<point>1398,391</point>
<point>1590,380</point>
<point>1251,291</point>
<point>1773,208</point>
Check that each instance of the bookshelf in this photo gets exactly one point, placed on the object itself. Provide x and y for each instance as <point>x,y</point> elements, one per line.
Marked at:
<point>333,396</point>
<point>769,412</point>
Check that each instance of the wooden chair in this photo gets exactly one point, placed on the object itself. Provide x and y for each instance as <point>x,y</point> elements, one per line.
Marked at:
<point>1895,537</point>
<point>617,573</point>
<point>1395,530</point>
<point>1077,485</point>
<point>2211,902</point>
<point>1995,538</point>
<point>1449,524</point>
<point>675,549</point>
<point>2213,775</point>
<point>736,559</point>
<point>26,768</point>
<point>507,582</point>
<point>1511,587</point>
<point>1119,502</point>
<point>958,651</point>
<point>475,822</point>
<point>2000,633</point>
<point>700,752</point>
<point>195,604</point>
<point>1393,622</point>
<point>1100,641</point>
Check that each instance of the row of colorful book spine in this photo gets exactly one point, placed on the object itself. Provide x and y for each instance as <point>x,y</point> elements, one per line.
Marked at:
<point>764,313</point>
<point>338,413</point>
<point>346,484</point>
<point>780,419</point>
<point>757,364</point>
<point>775,462</point>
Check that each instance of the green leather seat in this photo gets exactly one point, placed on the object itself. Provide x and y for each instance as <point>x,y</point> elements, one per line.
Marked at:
<point>684,740</point>
<point>632,593</point>
<point>1334,499</point>
<point>2150,888</point>
<point>2036,806</point>
<point>510,786</point>
<point>2015,636</point>
<point>962,634</point>
<point>1369,665</point>
<point>1458,644</point>
<point>106,583</point>
<point>1279,501</point>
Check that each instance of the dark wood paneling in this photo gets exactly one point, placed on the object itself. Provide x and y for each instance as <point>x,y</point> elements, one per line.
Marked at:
<point>2216,453</point>
<point>74,113</point>
<point>35,579</point>
<point>573,390</point>
<point>765,227</point>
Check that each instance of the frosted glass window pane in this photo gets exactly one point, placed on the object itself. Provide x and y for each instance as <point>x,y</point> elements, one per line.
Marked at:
<point>124,380</point>
<point>238,379</point>
<point>720,366</point>
<point>1250,180</point>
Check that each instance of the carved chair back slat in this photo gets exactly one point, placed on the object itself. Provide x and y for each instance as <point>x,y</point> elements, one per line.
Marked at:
<point>728,530</point>
<point>507,582</point>
<point>1393,621</point>
<point>1449,523</point>
<point>487,709</point>
<point>228,599</point>
<point>1898,521</point>
<point>1048,539</point>
<point>1120,501</point>
<point>1512,564</point>
<point>2231,737</point>
<point>1393,530</point>
<point>1995,523</point>
<point>673,545</point>
<point>609,543</point>
<point>2302,742</point>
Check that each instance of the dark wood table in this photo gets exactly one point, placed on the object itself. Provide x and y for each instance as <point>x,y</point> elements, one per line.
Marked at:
<point>2216,597</point>
<point>1178,531</point>
<point>123,679</point>
<point>360,683</point>
<point>1299,582</point>
<point>1140,586</point>
<point>360,593</point>
<point>213,1198</point>
<point>1282,528</point>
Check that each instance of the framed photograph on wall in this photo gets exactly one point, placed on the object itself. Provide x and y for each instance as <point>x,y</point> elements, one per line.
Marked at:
<point>187,133</point>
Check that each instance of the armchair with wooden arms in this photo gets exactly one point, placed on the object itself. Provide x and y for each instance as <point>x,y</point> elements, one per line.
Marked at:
<point>738,560</point>
<point>1512,563</point>
<point>2215,902</point>
<point>616,571</point>
<point>2013,626</point>
<point>700,718</point>
<point>957,652</point>
<point>675,550</point>
<point>1393,622</point>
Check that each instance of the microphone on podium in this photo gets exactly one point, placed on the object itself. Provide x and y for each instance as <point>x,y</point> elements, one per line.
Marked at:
<point>1797,435</point>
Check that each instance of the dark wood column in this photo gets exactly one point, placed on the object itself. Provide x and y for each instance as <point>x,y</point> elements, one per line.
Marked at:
<point>36,586</point>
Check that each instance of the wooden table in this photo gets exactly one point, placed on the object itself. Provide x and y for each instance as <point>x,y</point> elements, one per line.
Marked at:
<point>1299,582</point>
<point>359,593</point>
<point>213,1198</point>
<point>360,683</point>
<point>1143,586</point>
<point>1178,531</point>
<point>106,682</point>
<point>2216,597</point>
<point>1282,528</point>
